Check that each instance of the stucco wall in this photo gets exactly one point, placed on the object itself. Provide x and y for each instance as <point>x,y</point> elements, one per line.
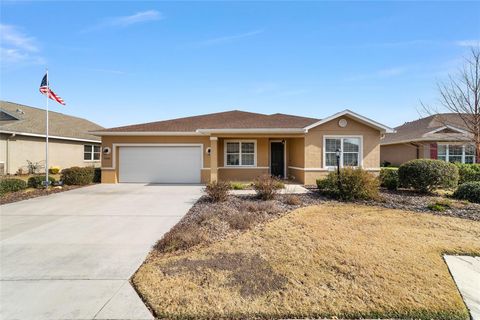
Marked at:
<point>3,153</point>
<point>62,153</point>
<point>111,175</point>
<point>296,159</point>
<point>397,154</point>
<point>314,146</point>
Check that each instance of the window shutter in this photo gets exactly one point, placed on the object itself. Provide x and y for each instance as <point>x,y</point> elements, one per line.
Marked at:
<point>433,151</point>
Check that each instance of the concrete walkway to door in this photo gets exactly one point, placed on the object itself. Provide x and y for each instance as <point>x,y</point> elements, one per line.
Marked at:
<point>70,255</point>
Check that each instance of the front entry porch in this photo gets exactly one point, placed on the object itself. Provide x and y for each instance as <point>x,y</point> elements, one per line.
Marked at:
<point>235,158</point>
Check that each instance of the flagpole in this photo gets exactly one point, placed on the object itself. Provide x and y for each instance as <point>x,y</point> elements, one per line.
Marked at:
<point>46,145</point>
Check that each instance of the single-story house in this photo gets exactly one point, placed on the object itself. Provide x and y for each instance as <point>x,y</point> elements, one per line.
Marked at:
<point>239,146</point>
<point>22,139</point>
<point>442,136</point>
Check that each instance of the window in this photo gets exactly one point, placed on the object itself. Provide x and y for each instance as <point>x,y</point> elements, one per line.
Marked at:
<point>239,153</point>
<point>91,152</point>
<point>456,153</point>
<point>349,151</point>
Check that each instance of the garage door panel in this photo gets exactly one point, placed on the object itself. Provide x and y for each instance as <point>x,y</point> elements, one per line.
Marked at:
<point>160,164</point>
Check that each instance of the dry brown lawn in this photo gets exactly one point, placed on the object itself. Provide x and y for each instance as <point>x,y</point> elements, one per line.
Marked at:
<point>335,260</point>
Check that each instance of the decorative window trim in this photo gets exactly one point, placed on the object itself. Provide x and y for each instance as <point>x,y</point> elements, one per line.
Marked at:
<point>360,151</point>
<point>240,153</point>
<point>447,151</point>
<point>92,153</point>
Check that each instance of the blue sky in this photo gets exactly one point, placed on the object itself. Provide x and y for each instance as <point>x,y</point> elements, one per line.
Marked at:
<point>119,63</point>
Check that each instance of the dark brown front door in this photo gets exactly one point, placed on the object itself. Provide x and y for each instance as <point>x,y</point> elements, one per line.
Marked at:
<point>277,159</point>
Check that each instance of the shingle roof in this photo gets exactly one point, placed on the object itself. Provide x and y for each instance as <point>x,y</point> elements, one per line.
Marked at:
<point>32,120</point>
<point>419,129</point>
<point>223,120</point>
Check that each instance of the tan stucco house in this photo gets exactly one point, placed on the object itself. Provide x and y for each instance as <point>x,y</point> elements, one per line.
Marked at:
<point>441,136</point>
<point>239,146</point>
<point>22,138</point>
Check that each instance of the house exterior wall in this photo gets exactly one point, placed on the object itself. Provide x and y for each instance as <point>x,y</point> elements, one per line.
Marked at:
<point>304,153</point>
<point>244,173</point>
<point>3,153</point>
<point>400,153</point>
<point>370,152</point>
<point>110,172</point>
<point>296,159</point>
<point>397,154</point>
<point>15,151</point>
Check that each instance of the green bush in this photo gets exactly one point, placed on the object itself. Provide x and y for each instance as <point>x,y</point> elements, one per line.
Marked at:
<point>267,186</point>
<point>440,205</point>
<point>11,185</point>
<point>469,191</point>
<point>217,191</point>
<point>234,185</point>
<point>38,181</point>
<point>389,178</point>
<point>78,175</point>
<point>352,184</point>
<point>468,172</point>
<point>426,175</point>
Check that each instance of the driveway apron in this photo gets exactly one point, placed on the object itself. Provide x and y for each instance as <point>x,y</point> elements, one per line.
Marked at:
<point>70,255</point>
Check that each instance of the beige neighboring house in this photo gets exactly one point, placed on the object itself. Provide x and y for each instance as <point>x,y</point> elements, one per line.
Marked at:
<point>442,136</point>
<point>239,146</point>
<point>22,138</point>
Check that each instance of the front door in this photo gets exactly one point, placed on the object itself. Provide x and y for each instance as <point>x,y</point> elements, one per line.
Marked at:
<point>277,159</point>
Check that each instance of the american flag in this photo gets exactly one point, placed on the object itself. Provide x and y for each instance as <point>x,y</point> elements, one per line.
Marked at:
<point>44,89</point>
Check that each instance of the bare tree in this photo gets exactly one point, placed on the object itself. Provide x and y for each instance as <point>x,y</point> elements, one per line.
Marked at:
<point>460,94</point>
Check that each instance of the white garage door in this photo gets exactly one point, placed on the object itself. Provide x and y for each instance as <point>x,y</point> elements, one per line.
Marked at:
<point>160,164</point>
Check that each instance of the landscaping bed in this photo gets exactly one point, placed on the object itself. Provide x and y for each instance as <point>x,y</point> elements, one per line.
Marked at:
<point>33,193</point>
<point>331,260</point>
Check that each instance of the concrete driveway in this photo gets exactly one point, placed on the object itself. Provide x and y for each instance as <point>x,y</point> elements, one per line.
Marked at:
<point>70,255</point>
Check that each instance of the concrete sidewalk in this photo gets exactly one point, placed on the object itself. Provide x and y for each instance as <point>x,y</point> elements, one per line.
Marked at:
<point>70,255</point>
<point>289,189</point>
<point>466,273</point>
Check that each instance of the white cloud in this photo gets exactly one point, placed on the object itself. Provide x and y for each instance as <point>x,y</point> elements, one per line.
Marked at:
<point>18,48</point>
<point>230,38</point>
<point>125,21</point>
<point>11,36</point>
<point>468,43</point>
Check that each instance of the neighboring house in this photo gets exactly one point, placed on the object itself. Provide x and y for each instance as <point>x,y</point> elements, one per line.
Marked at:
<point>239,146</point>
<point>442,136</point>
<point>22,138</point>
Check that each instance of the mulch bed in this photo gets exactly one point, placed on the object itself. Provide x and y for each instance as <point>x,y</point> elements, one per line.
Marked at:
<point>33,193</point>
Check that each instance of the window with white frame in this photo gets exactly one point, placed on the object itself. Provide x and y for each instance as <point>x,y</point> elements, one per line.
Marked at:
<point>91,152</point>
<point>349,148</point>
<point>239,153</point>
<point>456,153</point>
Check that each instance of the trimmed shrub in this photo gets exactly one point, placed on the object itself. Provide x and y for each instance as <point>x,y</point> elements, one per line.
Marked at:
<point>389,178</point>
<point>469,191</point>
<point>267,186</point>
<point>426,175</point>
<point>352,184</point>
<point>38,181</point>
<point>11,185</point>
<point>440,205</point>
<point>54,170</point>
<point>468,172</point>
<point>78,175</point>
<point>217,191</point>
<point>238,185</point>
<point>293,200</point>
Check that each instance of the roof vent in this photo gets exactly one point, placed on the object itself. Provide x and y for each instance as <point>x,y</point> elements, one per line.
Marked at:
<point>20,111</point>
